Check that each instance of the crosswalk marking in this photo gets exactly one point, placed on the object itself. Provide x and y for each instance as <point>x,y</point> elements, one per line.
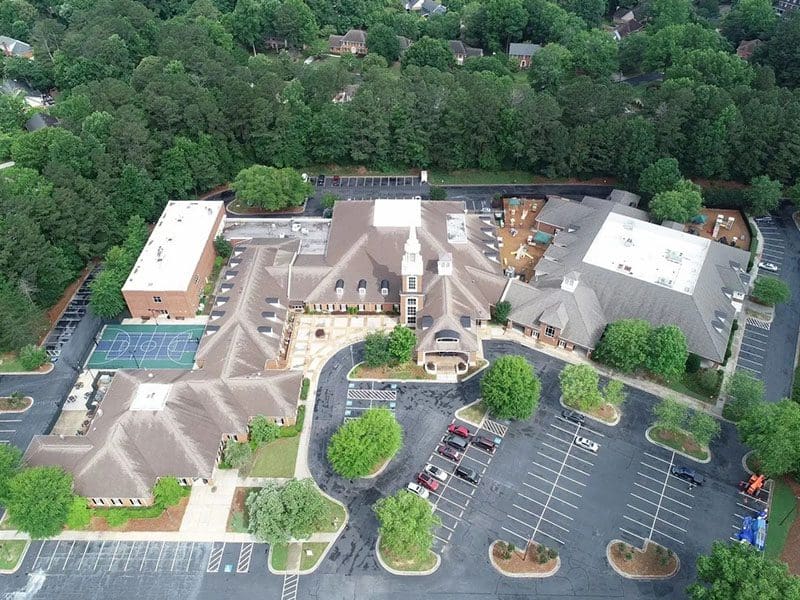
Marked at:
<point>215,557</point>
<point>758,323</point>
<point>494,427</point>
<point>290,583</point>
<point>245,554</point>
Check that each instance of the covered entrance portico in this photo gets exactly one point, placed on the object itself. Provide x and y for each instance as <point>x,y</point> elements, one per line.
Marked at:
<point>446,364</point>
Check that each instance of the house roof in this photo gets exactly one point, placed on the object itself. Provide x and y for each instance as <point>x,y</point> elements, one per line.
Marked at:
<point>356,36</point>
<point>431,7</point>
<point>459,48</point>
<point>624,197</point>
<point>12,47</point>
<point>523,49</point>
<point>621,295</point>
<point>747,47</point>
<point>628,27</point>
<point>125,450</point>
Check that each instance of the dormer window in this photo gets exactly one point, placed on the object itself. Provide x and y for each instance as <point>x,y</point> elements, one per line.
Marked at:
<point>339,288</point>
<point>384,287</point>
<point>362,287</point>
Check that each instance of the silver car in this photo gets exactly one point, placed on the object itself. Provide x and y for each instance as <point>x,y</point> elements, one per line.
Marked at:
<point>417,489</point>
<point>586,444</point>
<point>436,472</point>
<point>767,266</point>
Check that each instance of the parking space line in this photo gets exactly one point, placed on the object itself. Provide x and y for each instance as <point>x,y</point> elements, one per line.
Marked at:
<point>656,469</point>
<point>570,433</point>
<point>554,497</point>
<point>448,528</point>
<point>50,562</point>
<point>215,557</point>
<point>558,461</point>
<point>664,508</point>
<point>622,529</point>
<point>440,509</point>
<point>85,550</point>
<point>655,518</point>
<point>522,537</point>
<point>669,486</point>
<point>578,458</point>
<point>666,535</point>
<point>444,541</point>
<point>538,516</point>
<point>555,485</point>
<point>665,461</point>
<point>189,562</point>
<point>114,556</point>
<point>66,560</point>
<point>38,554</point>
<point>99,554</point>
<point>158,560</point>
<point>580,483</point>
<point>663,490</point>
<point>468,496</point>
<point>485,464</point>
<point>743,351</point>
<point>750,508</point>
<point>562,440</point>
<point>756,333</point>
<point>130,554</point>
<point>144,557</point>
<point>175,556</point>
<point>462,508</point>
<point>559,513</point>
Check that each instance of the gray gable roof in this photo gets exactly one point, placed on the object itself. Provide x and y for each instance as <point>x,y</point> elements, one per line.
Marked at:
<point>523,49</point>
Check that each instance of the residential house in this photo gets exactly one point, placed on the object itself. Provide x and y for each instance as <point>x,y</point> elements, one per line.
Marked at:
<point>462,52</point>
<point>746,48</point>
<point>12,47</point>
<point>785,6</point>
<point>425,8</point>
<point>626,28</point>
<point>346,94</point>
<point>352,42</point>
<point>522,53</point>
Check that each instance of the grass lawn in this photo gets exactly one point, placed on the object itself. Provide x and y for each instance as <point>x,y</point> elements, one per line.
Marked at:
<point>11,553</point>
<point>473,413</point>
<point>426,563</point>
<point>782,515</point>
<point>477,176</point>
<point>690,384</point>
<point>280,554</point>
<point>317,548</point>
<point>276,459</point>
<point>333,518</point>
<point>679,440</point>
<point>9,363</point>
<point>402,371</point>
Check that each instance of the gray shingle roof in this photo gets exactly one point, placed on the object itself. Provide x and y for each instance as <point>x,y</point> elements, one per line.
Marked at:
<point>523,49</point>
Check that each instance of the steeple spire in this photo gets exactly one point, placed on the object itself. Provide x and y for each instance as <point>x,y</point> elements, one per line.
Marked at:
<point>412,259</point>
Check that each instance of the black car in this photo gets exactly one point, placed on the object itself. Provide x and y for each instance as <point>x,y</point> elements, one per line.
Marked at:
<point>689,475</point>
<point>459,443</point>
<point>484,442</point>
<point>467,474</point>
<point>571,415</point>
<point>320,180</point>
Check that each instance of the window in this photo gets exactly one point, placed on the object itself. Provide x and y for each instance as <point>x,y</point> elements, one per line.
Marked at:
<point>196,278</point>
<point>412,283</point>
<point>157,299</point>
<point>550,331</point>
<point>411,311</point>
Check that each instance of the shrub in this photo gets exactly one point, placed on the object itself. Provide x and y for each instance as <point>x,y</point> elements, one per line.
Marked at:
<point>692,363</point>
<point>293,430</point>
<point>376,349</point>
<point>510,388</point>
<point>734,327</point>
<point>796,385</point>
<point>770,291</point>
<point>168,492</point>
<point>222,247</point>
<point>80,515</point>
<point>614,392</point>
<point>438,192</point>
<point>361,444</point>
<point>236,454</point>
<point>328,200</point>
<point>262,430</point>
<point>32,357</point>
<point>708,380</point>
<point>304,387</point>
<point>501,312</point>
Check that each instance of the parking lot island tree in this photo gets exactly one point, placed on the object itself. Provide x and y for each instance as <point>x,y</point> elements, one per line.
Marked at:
<point>666,352</point>
<point>39,500</point>
<point>406,524</point>
<point>739,572</point>
<point>360,445</point>
<point>614,392</point>
<point>670,414</point>
<point>402,341</point>
<point>278,512</point>
<point>770,291</point>
<point>624,344</point>
<point>510,388</point>
<point>772,430</point>
<point>10,457</point>
<point>580,386</point>
<point>270,188</point>
<point>703,427</point>
<point>376,349</point>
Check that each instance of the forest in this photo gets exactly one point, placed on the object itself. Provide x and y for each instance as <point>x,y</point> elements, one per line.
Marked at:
<point>170,98</point>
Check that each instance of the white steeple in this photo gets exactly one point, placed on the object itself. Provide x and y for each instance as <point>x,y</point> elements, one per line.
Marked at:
<point>412,259</point>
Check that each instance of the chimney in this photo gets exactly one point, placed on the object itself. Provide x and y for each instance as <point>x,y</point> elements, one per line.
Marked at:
<point>570,282</point>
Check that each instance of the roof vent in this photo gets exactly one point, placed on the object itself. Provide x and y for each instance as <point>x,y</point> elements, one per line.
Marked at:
<point>466,321</point>
<point>717,325</point>
<point>339,288</point>
<point>445,264</point>
<point>384,287</point>
<point>271,300</point>
<point>362,287</point>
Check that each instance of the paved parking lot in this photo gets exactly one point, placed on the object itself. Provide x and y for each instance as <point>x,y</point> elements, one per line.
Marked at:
<point>774,250</point>
<point>345,181</point>
<point>755,343</point>
<point>57,556</point>
<point>361,398</point>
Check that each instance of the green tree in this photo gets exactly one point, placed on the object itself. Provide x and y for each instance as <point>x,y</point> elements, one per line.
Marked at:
<point>39,500</point>
<point>594,53</point>
<point>270,188</point>
<point>277,513</point>
<point>550,67</point>
<point>591,11</point>
<point>666,352</point>
<point>10,457</point>
<point>614,392</point>
<point>376,349</point>
<point>79,515</point>
<point>406,524</point>
<point>764,195</point>
<point>32,357</point>
<point>773,431</point>
<point>248,22</point>
<point>736,571</point>
<point>497,23</point>
<point>670,414</point>
<point>168,492</point>
<point>328,200</point>
<point>624,344</point>
<point>744,393</point>
<point>359,445</point>
<point>770,291</point>
<point>580,386</point>
<point>749,19</point>
<point>293,20</point>
<point>382,40</point>
<point>402,341</point>
<point>664,13</point>
<point>437,192</point>
<point>21,321</point>
<point>510,388</point>
<point>501,312</point>
<point>677,205</point>
<point>782,51</point>
<point>263,430</point>
<point>703,427</point>
<point>223,247</point>
<point>106,299</point>
<point>661,176</point>
<point>236,454</point>
<point>428,52</point>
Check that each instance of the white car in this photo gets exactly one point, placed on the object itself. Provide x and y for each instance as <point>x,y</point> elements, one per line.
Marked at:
<point>436,472</point>
<point>417,489</point>
<point>767,266</point>
<point>586,444</point>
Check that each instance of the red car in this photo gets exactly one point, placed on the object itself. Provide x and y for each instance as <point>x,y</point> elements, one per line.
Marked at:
<point>448,452</point>
<point>428,481</point>
<point>459,430</point>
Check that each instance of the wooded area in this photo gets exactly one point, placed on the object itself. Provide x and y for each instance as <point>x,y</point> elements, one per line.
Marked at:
<point>169,98</point>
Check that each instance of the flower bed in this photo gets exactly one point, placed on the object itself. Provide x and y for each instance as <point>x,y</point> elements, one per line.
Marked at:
<point>540,561</point>
<point>654,562</point>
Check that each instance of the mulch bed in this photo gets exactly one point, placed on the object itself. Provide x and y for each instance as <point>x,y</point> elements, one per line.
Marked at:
<point>518,564</point>
<point>654,561</point>
<point>170,520</point>
<point>604,413</point>
<point>791,550</point>
<point>9,404</point>
<point>237,504</point>
<point>684,441</point>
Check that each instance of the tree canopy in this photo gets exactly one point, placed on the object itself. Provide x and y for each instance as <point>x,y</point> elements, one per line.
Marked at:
<point>773,431</point>
<point>770,290</point>
<point>679,204</point>
<point>406,524</point>
<point>278,512</point>
<point>510,388</point>
<point>666,352</point>
<point>359,445</point>
<point>39,500</point>
<point>580,386</point>
<point>270,188</point>
<point>624,344</point>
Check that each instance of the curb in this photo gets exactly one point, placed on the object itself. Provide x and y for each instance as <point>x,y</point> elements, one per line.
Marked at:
<point>471,375</point>
<point>497,568</point>
<point>18,410</point>
<point>414,380</point>
<point>19,562</point>
<point>683,454</point>
<point>389,569</point>
<point>622,573</point>
<point>50,367</point>
<point>379,471</point>
<point>467,420</point>
<point>617,413</point>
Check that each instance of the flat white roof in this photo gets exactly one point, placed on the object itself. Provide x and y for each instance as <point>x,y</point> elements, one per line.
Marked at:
<point>151,396</point>
<point>171,254</point>
<point>456,228</point>
<point>397,213</point>
<point>648,252</point>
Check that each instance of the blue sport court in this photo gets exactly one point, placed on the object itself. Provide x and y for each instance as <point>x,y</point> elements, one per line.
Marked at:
<point>146,347</point>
